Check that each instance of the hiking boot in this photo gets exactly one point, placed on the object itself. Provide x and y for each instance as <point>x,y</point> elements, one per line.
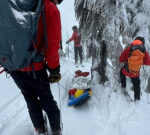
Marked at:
<point>137,101</point>
<point>40,131</point>
<point>81,63</point>
<point>58,132</point>
<point>76,64</point>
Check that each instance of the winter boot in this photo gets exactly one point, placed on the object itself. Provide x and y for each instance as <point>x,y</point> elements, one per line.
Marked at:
<point>58,132</point>
<point>40,131</point>
<point>137,101</point>
<point>81,64</point>
<point>76,64</point>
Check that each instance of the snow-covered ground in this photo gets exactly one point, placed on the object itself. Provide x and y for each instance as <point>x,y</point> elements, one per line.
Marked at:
<point>102,115</point>
<point>106,113</point>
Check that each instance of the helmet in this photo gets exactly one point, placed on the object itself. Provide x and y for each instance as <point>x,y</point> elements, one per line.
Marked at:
<point>59,1</point>
<point>74,27</point>
<point>141,39</point>
<point>137,42</point>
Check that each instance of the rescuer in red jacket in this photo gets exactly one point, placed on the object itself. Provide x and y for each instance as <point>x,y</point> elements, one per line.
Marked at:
<point>136,45</point>
<point>36,91</point>
<point>76,37</point>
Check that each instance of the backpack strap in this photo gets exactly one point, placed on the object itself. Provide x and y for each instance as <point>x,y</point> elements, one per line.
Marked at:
<point>44,26</point>
<point>45,35</point>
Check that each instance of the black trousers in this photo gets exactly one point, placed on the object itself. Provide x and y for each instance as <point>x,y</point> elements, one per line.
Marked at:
<point>38,96</point>
<point>136,85</point>
<point>78,52</point>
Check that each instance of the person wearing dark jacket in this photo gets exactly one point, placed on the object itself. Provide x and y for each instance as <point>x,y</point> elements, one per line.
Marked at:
<point>36,89</point>
<point>125,71</point>
<point>76,37</point>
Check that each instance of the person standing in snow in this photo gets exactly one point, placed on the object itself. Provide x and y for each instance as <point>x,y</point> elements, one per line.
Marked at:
<point>76,37</point>
<point>133,58</point>
<point>36,89</point>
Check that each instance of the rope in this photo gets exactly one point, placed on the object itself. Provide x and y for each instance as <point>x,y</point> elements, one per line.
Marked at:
<point>62,86</point>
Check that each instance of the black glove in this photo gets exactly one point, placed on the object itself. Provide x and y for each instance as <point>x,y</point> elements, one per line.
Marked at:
<point>53,78</point>
<point>55,75</point>
<point>67,42</point>
<point>59,1</point>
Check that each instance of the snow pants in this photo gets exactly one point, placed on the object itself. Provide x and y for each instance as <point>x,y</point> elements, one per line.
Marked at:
<point>136,85</point>
<point>78,52</point>
<point>37,94</point>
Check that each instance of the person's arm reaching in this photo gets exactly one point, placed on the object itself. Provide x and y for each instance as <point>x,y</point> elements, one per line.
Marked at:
<point>72,38</point>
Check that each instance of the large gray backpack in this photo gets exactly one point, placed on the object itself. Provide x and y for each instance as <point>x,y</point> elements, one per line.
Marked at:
<point>18,31</point>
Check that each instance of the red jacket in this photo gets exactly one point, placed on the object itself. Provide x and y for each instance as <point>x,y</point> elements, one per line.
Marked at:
<point>124,58</point>
<point>53,25</point>
<point>77,38</point>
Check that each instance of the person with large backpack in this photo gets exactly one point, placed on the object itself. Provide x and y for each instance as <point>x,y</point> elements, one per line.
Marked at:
<point>133,58</point>
<point>76,37</point>
<point>36,53</point>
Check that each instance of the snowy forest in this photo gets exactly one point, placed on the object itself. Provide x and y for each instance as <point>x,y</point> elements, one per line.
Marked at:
<point>114,24</point>
<point>107,27</point>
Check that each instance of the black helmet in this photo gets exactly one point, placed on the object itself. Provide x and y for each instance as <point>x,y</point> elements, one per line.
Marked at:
<point>141,39</point>
<point>74,27</point>
<point>59,1</point>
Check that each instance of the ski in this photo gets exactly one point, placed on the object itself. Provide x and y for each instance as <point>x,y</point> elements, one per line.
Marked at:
<point>126,94</point>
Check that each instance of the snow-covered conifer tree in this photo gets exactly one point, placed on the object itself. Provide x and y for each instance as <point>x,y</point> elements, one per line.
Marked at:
<point>115,22</point>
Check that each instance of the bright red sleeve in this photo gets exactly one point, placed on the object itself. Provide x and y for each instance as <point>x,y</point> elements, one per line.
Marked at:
<point>73,36</point>
<point>123,55</point>
<point>146,59</point>
<point>53,25</point>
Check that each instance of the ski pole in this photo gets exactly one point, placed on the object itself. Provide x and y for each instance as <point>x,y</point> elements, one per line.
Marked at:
<point>68,50</point>
<point>61,123</point>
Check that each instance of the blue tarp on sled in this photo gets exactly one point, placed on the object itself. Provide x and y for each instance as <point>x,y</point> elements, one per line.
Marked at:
<point>80,100</point>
